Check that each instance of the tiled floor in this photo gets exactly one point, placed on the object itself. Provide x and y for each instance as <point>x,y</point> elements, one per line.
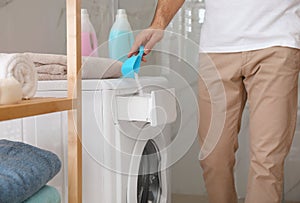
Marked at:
<point>197,199</point>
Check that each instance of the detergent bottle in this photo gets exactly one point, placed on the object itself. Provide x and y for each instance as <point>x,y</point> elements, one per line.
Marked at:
<point>89,43</point>
<point>120,37</point>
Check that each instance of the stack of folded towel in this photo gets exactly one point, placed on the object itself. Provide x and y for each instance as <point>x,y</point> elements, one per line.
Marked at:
<point>24,173</point>
<point>49,66</point>
<point>18,78</point>
<point>54,67</point>
<point>19,72</point>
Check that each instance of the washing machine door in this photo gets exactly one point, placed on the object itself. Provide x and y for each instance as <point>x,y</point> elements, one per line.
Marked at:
<point>150,185</point>
<point>149,178</point>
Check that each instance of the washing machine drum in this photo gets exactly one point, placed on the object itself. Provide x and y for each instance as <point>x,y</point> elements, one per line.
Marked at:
<point>149,178</point>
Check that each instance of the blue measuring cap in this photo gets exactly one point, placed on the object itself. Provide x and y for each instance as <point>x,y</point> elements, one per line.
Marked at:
<point>132,64</point>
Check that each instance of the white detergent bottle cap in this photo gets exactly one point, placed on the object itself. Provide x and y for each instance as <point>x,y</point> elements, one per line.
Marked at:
<point>84,11</point>
<point>121,13</point>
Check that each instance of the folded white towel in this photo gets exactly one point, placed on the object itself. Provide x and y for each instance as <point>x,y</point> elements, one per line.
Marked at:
<point>22,69</point>
<point>10,91</point>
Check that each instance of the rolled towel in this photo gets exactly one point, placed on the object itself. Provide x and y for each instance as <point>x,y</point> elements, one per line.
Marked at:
<point>22,69</point>
<point>10,91</point>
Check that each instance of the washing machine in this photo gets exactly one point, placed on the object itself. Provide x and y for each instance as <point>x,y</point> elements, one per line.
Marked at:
<point>125,136</point>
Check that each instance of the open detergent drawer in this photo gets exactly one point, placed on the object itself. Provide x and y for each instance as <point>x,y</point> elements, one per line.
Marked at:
<point>157,107</point>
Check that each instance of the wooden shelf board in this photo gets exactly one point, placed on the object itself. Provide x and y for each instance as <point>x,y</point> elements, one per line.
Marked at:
<point>34,106</point>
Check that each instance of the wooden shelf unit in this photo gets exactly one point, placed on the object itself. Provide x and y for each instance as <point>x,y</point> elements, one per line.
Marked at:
<point>72,103</point>
<point>33,107</point>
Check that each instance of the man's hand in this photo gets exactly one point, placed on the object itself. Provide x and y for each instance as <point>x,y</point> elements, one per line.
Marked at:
<point>148,38</point>
<point>165,11</point>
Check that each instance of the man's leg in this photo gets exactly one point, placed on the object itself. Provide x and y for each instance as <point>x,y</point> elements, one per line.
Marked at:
<point>224,88</point>
<point>271,82</point>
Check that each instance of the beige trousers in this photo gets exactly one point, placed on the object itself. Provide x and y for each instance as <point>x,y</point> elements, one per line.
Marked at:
<point>268,79</point>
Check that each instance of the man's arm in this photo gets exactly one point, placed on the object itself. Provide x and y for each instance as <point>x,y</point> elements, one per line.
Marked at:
<point>165,11</point>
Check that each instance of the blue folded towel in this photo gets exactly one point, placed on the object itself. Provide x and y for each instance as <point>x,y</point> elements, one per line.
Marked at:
<point>47,194</point>
<point>24,169</point>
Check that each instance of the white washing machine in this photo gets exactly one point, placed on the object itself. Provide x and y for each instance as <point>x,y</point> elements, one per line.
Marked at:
<point>125,138</point>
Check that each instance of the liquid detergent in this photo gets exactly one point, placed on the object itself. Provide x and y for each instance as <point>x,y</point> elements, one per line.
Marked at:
<point>89,43</point>
<point>120,37</point>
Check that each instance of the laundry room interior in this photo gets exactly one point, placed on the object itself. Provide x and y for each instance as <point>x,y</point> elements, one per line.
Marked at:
<point>139,133</point>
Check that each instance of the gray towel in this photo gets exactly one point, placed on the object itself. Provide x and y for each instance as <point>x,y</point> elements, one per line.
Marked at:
<point>24,169</point>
